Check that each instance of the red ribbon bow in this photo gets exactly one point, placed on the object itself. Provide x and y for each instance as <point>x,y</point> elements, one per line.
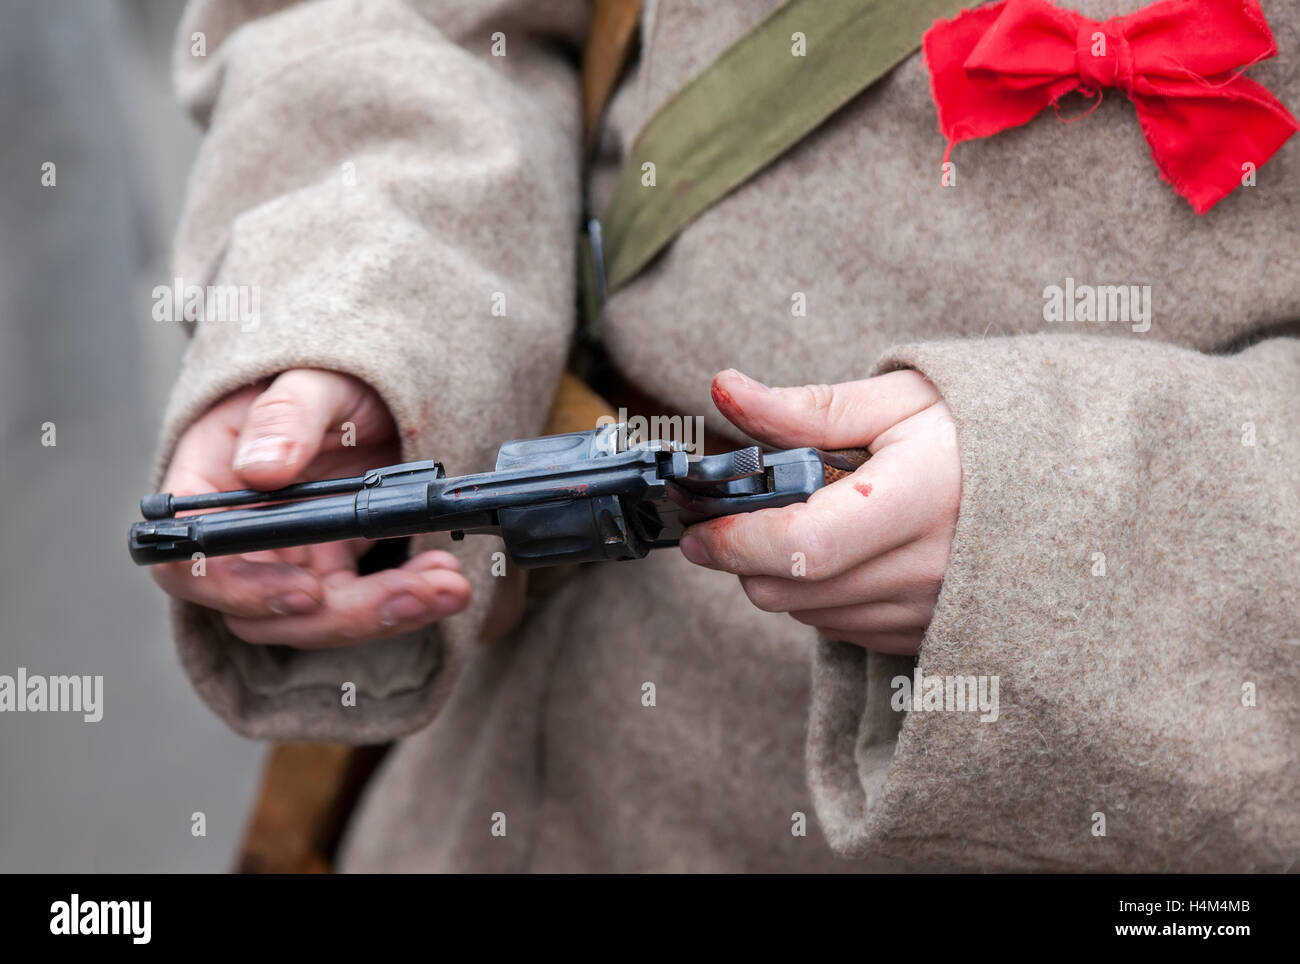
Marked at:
<point>1179,61</point>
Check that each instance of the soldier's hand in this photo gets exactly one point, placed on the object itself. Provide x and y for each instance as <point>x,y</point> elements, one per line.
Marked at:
<point>292,429</point>
<point>863,559</point>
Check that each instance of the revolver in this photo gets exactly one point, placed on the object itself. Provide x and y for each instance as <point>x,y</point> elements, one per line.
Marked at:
<point>585,496</point>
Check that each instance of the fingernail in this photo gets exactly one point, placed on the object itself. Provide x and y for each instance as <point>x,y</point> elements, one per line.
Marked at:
<point>693,549</point>
<point>753,383</point>
<point>292,603</point>
<point>401,608</point>
<point>266,450</point>
<point>439,559</point>
<point>447,602</point>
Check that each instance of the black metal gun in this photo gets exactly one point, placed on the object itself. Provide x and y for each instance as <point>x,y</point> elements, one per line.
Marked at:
<point>580,497</point>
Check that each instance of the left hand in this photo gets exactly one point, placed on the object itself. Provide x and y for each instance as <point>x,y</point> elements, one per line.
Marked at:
<point>289,429</point>
<point>864,558</point>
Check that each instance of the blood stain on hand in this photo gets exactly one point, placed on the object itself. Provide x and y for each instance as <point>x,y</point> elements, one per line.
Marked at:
<point>722,398</point>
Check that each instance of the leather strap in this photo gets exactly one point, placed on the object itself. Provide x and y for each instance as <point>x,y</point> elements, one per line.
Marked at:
<point>609,41</point>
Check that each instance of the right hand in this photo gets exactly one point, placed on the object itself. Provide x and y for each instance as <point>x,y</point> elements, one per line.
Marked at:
<point>287,430</point>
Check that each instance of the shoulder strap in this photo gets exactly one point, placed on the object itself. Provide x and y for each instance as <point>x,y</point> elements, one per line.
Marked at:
<point>758,99</point>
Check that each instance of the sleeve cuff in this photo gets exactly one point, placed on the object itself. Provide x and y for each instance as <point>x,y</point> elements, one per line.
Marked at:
<point>1118,567</point>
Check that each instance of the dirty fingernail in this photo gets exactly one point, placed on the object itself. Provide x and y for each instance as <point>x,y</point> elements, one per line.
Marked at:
<point>292,603</point>
<point>447,603</point>
<point>748,382</point>
<point>401,608</point>
<point>267,450</point>
<point>693,549</point>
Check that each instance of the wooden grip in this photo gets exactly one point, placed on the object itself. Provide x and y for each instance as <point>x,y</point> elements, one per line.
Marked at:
<point>841,463</point>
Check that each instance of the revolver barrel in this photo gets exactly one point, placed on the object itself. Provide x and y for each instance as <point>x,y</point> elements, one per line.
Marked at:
<point>245,530</point>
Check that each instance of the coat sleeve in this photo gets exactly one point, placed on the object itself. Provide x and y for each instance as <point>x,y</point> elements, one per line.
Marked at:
<point>397,183</point>
<point>1125,566</point>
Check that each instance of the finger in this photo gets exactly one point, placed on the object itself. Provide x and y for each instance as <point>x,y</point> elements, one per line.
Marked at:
<point>187,477</point>
<point>936,426</point>
<point>884,617</point>
<point>201,461</point>
<point>241,586</point>
<point>286,424</point>
<point>360,608</point>
<point>873,511</point>
<point>327,558</point>
<point>432,559</point>
<point>295,556</point>
<point>331,463</point>
<point>913,572</point>
<point>847,415</point>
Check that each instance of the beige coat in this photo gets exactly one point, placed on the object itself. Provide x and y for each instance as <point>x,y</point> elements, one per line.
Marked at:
<point>1125,560</point>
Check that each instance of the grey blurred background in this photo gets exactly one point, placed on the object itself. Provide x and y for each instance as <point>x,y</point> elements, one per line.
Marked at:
<point>85,84</point>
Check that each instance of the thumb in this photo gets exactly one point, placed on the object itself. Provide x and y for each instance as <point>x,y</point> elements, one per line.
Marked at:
<point>285,426</point>
<point>847,415</point>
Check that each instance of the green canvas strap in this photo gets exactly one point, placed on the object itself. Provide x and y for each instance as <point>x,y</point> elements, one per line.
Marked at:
<point>747,108</point>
